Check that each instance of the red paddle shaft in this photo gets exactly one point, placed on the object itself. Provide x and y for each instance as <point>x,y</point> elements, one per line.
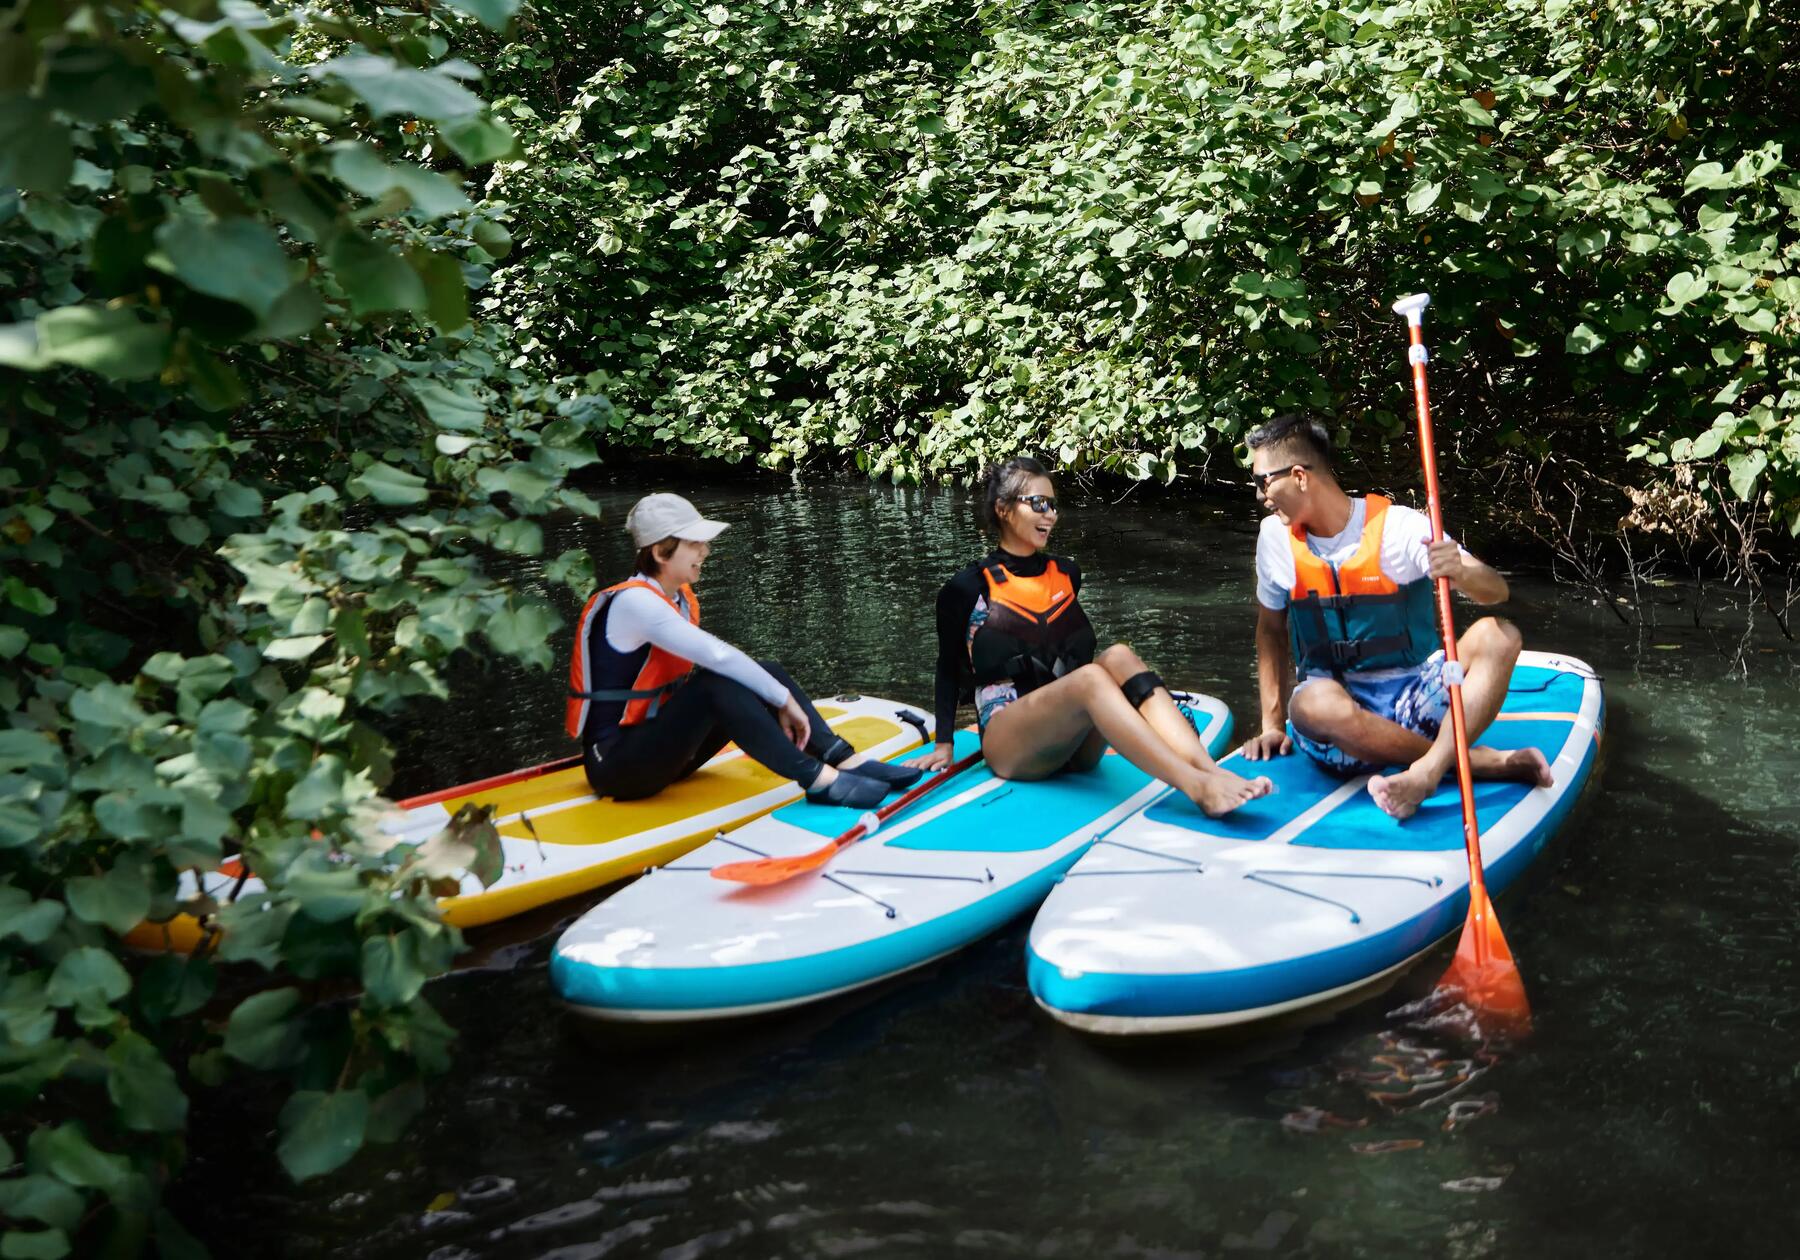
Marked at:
<point>1484,968</point>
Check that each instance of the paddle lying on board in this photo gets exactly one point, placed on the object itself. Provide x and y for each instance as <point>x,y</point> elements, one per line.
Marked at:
<point>773,870</point>
<point>1483,971</point>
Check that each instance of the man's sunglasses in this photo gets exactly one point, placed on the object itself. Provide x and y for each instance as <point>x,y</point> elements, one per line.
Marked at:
<point>1039,503</point>
<point>1263,479</point>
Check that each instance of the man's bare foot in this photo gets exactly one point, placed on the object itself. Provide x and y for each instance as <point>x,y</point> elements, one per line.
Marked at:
<point>1522,765</point>
<point>1221,791</point>
<point>1399,795</point>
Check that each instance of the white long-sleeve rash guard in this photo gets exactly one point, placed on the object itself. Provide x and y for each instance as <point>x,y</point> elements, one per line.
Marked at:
<point>636,617</point>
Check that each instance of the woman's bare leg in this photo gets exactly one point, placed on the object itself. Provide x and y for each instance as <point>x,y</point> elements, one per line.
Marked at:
<point>1035,735</point>
<point>1165,719</point>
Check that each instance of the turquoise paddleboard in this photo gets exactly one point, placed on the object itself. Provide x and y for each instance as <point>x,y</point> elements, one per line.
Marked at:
<point>1176,922</point>
<point>681,946</point>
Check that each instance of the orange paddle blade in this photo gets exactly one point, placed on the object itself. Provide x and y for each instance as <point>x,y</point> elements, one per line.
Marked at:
<point>761,872</point>
<point>1483,972</point>
<point>772,870</point>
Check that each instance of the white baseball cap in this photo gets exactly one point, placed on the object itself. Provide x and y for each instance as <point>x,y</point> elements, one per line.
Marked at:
<point>658,516</point>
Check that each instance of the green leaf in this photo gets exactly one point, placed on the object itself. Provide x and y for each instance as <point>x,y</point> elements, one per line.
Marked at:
<point>294,648</point>
<point>109,705</point>
<point>112,342</point>
<point>492,237</point>
<point>260,1032</point>
<point>65,1152</point>
<point>36,1197</point>
<point>1584,338</point>
<point>1474,113</point>
<point>375,277</point>
<point>234,499</point>
<point>451,409</point>
<point>479,140</point>
<point>1744,468</point>
<point>446,289</point>
<point>390,88</point>
<point>35,152</point>
<point>87,976</point>
<point>519,630</point>
<point>1683,287</point>
<point>321,1131</point>
<point>172,985</point>
<point>1706,175</point>
<point>1423,196</point>
<point>43,1244</point>
<point>144,1088</point>
<point>118,899</point>
<point>29,750</point>
<point>1706,445</point>
<point>391,974</point>
<point>35,923</point>
<point>493,14</point>
<point>321,793</point>
<point>238,260</point>
<point>388,485</point>
<point>359,168</point>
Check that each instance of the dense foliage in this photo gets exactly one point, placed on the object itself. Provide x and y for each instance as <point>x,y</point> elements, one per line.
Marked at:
<point>253,456</point>
<point>918,234</point>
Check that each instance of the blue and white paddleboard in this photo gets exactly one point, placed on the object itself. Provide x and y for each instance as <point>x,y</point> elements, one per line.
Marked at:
<point>1176,922</point>
<point>681,946</point>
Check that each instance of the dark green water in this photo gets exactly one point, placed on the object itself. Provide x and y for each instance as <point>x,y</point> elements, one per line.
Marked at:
<point>1652,1113</point>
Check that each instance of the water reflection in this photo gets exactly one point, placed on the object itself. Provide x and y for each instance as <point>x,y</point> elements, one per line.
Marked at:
<point>1649,1114</point>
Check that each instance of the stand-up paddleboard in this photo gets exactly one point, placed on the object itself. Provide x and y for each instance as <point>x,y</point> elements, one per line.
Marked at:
<point>680,946</point>
<point>1177,922</point>
<point>559,839</point>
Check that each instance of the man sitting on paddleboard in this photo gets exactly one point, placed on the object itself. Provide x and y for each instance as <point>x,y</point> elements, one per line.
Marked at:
<point>1345,603</point>
<point>653,697</point>
<point>1010,627</point>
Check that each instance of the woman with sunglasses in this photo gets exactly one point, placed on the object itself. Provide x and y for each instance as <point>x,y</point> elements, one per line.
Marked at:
<point>1011,628</point>
<point>653,697</point>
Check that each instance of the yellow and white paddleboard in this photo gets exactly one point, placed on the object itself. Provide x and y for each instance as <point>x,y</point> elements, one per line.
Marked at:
<point>559,839</point>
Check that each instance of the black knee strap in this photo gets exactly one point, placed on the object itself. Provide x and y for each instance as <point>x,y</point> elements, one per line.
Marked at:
<point>1139,687</point>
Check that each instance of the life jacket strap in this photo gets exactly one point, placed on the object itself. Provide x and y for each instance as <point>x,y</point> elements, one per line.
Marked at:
<point>1339,603</point>
<point>1343,653</point>
<point>655,695</point>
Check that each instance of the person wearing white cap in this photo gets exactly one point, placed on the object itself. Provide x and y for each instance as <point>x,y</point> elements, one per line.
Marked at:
<point>653,697</point>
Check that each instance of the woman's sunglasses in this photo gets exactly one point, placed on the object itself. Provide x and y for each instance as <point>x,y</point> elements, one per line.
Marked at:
<point>1039,503</point>
<point>1263,479</point>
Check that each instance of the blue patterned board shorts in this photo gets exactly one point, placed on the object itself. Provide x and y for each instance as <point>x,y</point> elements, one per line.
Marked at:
<point>1416,702</point>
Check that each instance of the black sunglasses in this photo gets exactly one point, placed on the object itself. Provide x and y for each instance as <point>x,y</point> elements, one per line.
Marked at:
<point>1262,480</point>
<point>1039,503</point>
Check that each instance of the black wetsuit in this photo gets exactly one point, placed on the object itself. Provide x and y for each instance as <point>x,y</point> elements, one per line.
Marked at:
<point>956,604</point>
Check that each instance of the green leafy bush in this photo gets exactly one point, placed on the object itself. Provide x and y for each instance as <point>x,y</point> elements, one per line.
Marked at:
<point>254,458</point>
<point>918,235</point>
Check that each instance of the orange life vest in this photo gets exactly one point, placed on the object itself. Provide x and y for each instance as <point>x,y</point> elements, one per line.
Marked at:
<point>640,680</point>
<point>1035,630</point>
<point>1352,616</point>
